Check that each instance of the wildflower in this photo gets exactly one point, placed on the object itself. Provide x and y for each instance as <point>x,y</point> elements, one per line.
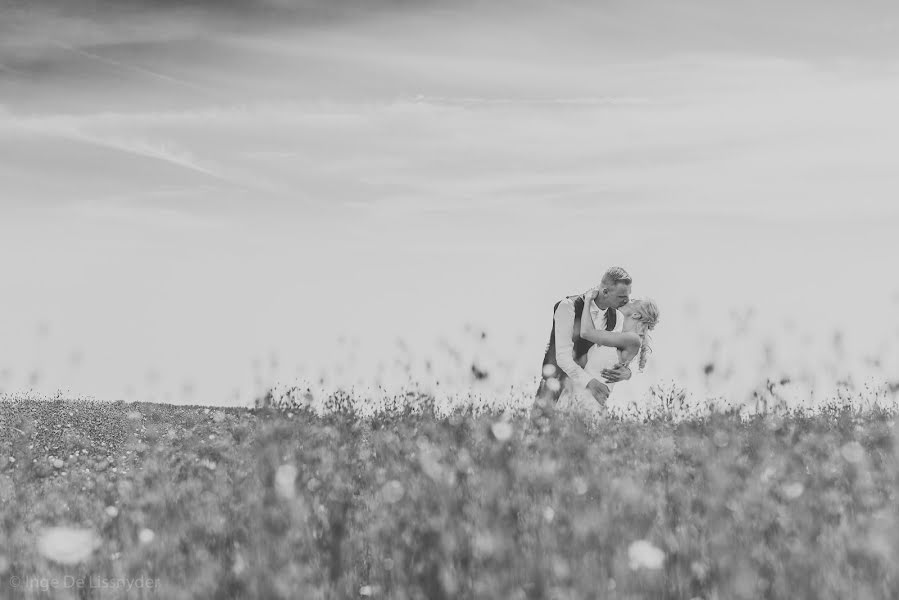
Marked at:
<point>580,486</point>
<point>112,511</point>
<point>700,570</point>
<point>463,460</point>
<point>853,452</point>
<point>486,544</point>
<point>502,430</point>
<point>67,545</point>
<point>146,536</point>
<point>643,555</point>
<point>793,490</point>
<point>393,491</point>
<point>239,565</point>
<point>666,448</point>
<point>285,477</point>
<point>721,439</point>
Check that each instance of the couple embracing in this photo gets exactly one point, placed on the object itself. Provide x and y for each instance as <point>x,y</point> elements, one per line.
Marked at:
<point>594,339</point>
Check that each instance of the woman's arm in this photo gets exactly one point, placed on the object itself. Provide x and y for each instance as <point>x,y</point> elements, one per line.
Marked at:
<point>629,352</point>
<point>613,339</point>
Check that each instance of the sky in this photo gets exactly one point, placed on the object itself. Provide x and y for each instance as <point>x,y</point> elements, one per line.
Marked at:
<point>199,199</point>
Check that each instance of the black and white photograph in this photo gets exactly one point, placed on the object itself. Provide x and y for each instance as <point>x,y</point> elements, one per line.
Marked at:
<point>449,299</point>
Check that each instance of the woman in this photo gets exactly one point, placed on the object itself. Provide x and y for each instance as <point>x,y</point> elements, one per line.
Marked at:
<point>613,348</point>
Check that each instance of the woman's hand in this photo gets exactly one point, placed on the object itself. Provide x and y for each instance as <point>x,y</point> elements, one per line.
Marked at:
<point>591,294</point>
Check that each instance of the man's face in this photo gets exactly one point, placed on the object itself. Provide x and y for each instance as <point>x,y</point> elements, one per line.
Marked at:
<point>617,295</point>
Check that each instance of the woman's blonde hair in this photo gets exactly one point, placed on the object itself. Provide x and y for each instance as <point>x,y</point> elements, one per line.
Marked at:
<point>649,318</point>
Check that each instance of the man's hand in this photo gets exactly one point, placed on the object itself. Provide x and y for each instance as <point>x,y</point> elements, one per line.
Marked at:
<point>619,373</point>
<point>599,390</point>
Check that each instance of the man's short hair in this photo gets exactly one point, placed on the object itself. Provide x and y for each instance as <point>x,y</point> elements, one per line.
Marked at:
<point>616,275</point>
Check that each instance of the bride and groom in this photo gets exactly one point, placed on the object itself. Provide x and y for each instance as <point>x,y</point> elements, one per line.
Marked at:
<point>595,337</point>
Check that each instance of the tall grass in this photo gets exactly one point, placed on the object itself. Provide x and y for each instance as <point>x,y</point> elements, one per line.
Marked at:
<point>311,500</point>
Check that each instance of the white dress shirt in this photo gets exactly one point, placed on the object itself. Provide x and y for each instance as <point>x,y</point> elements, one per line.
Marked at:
<point>564,320</point>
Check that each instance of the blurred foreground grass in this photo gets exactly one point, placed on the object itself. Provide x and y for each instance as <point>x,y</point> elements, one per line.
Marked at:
<point>280,503</point>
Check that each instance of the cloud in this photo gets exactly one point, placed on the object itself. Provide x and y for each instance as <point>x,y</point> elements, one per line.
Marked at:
<point>703,131</point>
<point>109,131</point>
<point>143,210</point>
<point>7,69</point>
<point>133,68</point>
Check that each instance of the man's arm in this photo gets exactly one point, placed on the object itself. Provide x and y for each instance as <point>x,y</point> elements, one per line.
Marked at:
<point>564,319</point>
<point>617,373</point>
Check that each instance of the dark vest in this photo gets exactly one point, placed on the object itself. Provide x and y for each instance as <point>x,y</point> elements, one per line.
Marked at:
<point>581,346</point>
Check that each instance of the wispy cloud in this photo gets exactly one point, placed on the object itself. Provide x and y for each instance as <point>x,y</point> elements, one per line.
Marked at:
<point>134,68</point>
<point>102,132</point>
<point>7,69</point>
<point>144,211</point>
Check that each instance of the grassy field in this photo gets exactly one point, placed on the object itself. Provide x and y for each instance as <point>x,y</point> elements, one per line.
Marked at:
<point>190,502</point>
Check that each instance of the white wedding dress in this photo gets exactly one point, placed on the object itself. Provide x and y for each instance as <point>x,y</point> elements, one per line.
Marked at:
<point>598,358</point>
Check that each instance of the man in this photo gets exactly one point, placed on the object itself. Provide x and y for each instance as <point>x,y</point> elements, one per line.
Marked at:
<point>566,353</point>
